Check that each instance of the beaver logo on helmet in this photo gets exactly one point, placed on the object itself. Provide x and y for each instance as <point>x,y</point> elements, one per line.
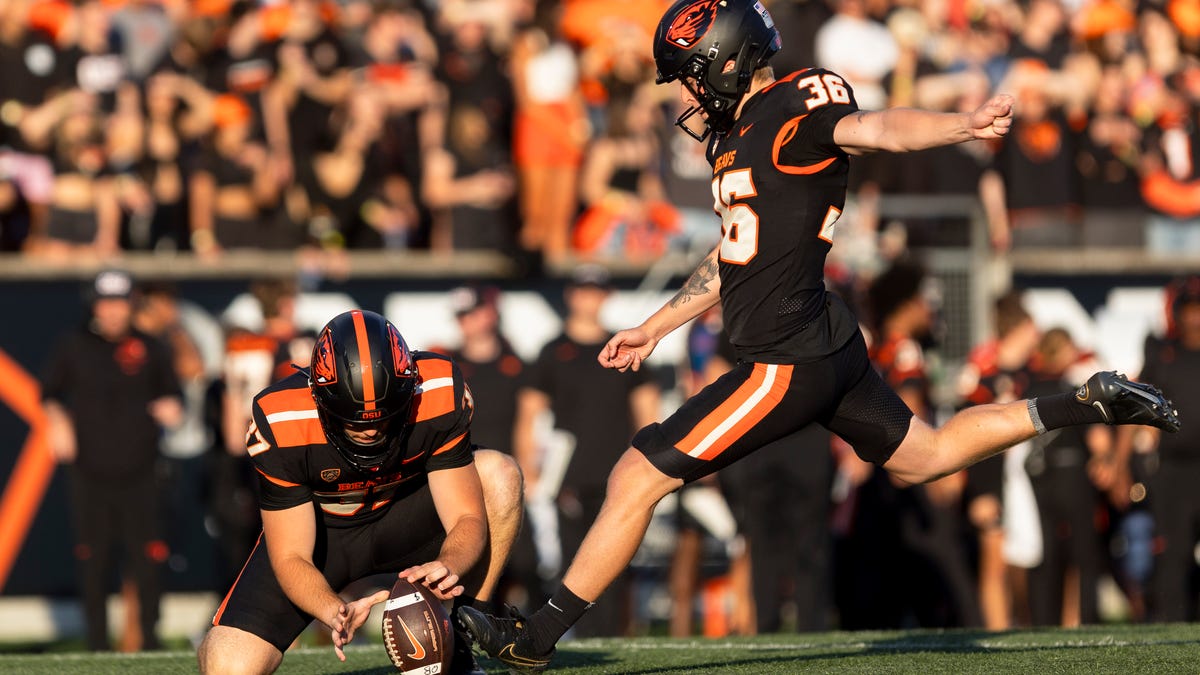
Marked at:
<point>692,24</point>
<point>324,370</point>
<point>400,352</point>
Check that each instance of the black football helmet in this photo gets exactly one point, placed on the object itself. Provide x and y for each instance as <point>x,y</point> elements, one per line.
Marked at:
<point>362,372</point>
<point>694,41</point>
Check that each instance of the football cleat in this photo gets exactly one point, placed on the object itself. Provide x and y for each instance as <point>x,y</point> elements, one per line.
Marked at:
<point>505,639</point>
<point>1123,402</point>
<point>462,661</point>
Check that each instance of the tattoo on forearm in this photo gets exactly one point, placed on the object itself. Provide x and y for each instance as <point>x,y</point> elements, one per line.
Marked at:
<point>860,116</point>
<point>697,284</point>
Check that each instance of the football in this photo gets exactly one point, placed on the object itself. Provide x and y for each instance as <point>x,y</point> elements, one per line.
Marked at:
<point>416,630</point>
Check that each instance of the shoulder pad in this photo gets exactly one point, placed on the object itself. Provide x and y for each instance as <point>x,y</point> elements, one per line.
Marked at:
<point>287,409</point>
<point>440,388</point>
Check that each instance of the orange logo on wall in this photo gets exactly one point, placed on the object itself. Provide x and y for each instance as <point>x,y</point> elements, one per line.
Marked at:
<point>324,370</point>
<point>692,24</point>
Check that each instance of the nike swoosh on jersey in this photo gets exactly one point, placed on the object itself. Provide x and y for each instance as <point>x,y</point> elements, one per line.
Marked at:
<point>743,130</point>
<point>418,650</point>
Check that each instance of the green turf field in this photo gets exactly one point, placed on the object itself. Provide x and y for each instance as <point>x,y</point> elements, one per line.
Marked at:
<point>1093,650</point>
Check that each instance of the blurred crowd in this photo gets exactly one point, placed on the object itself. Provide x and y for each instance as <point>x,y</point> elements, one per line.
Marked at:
<point>533,127</point>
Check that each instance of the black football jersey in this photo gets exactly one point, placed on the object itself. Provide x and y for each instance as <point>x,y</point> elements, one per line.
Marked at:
<point>779,185</point>
<point>297,465</point>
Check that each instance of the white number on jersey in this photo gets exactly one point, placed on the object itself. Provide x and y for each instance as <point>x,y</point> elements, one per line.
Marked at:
<point>824,88</point>
<point>739,222</point>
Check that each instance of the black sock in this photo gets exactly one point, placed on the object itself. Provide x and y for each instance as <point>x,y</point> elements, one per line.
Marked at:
<point>1061,410</point>
<point>555,617</point>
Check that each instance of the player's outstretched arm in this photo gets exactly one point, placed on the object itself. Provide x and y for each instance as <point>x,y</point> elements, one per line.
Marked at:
<point>628,348</point>
<point>909,129</point>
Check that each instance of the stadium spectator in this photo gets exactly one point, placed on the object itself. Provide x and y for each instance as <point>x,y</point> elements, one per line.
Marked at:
<point>780,498</point>
<point>854,44</point>
<point>1170,176</point>
<point>350,198</point>
<point>550,129</point>
<point>996,371</point>
<point>1064,587</point>
<point>1175,359</point>
<point>468,180</point>
<point>295,64</point>
<point>924,519</point>
<point>1032,189</point>
<point>109,390</point>
<point>597,409</point>
<point>314,75</point>
<point>495,374</point>
<point>159,313</point>
<point>399,490</point>
<point>233,192</point>
<point>83,221</point>
<point>179,112</point>
<point>627,216</point>
<point>1109,164</point>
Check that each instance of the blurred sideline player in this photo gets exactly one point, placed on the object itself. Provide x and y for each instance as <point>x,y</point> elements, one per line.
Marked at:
<point>780,155</point>
<point>916,527</point>
<point>1174,500</point>
<point>996,372</point>
<point>366,467</point>
<point>495,374</point>
<point>592,408</point>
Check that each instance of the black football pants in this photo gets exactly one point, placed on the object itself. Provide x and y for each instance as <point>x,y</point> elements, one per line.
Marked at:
<point>121,511</point>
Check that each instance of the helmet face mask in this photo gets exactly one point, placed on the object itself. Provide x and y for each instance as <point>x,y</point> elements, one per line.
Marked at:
<point>713,47</point>
<point>363,377</point>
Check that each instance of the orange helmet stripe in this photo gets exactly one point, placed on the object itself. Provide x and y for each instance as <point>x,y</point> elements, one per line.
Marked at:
<point>364,360</point>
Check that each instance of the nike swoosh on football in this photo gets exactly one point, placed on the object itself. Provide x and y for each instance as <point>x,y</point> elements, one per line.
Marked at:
<point>418,650</point>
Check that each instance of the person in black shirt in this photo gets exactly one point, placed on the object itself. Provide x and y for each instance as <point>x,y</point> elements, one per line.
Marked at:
<point>495,374</point>
<point>780,150</point>
<point>489,364</point>
<point>1063,588</point>
<point>1174,500</point>
<point>109,391</point>
<point>597,410</point>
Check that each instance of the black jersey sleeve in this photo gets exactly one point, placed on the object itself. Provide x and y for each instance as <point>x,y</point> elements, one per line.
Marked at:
<point>280,471</point>
<point>818,100</point>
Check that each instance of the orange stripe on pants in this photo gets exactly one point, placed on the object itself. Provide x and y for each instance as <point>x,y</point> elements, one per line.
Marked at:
<point>757,396</point>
